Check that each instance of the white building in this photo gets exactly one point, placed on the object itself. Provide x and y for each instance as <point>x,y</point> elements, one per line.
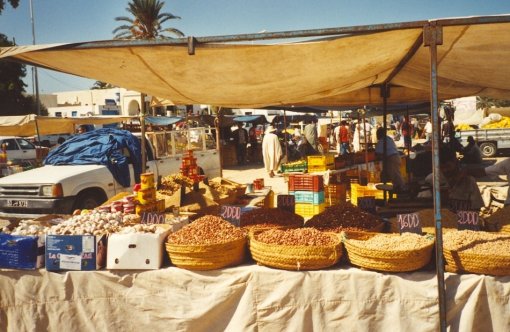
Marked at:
<point>115,101</point>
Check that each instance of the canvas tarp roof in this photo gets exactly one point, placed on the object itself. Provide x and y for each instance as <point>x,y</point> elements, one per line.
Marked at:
<point>25,125</point>
<point>345,70</point>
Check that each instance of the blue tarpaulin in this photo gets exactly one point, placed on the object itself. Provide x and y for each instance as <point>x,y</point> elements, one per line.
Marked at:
<point>104,146</point>
<point>162,120</point>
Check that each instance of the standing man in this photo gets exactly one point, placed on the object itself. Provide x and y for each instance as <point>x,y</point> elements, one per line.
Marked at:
<point>344,138</point>
<point>271,151</point>
<point>310,133</point>
<point>392,170</point>
<point>240,136</point>
<point>407,132</point>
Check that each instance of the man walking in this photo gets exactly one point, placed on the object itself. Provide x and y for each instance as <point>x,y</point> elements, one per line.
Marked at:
<point>271,151</point>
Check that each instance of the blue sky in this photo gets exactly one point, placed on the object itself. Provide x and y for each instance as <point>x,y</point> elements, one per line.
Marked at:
<point>62,21</point>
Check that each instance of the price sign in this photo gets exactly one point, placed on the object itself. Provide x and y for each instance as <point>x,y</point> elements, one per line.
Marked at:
<point>468,220</point>
<point>286,202</point>
<point>460,205</point>
<point>232,214</point>
<point>150,218</point>
<point>409,222</point>
<point>367,203</point>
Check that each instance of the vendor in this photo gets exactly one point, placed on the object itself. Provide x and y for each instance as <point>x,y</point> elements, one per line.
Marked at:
<point>462,188</point>
<point>391,165</point>
<point>472,153</point>
<point>501,168</point>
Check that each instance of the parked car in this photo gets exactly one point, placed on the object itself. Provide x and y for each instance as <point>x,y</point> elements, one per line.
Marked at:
<point>18,148</point>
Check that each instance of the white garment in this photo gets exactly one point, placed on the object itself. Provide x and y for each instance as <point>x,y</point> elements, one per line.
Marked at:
<point>356,139</point>
<point>501,168</point>
<point>336,132</point>
<point>271,152</point>
<point>428,127</point>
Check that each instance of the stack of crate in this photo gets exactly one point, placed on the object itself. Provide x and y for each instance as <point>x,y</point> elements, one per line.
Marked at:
<point>308,191</point>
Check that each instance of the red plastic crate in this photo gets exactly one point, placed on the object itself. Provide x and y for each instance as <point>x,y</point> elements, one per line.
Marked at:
<point>306,182</point>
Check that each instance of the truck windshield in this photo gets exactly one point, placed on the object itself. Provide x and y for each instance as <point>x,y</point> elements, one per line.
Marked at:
<point>171,143</point>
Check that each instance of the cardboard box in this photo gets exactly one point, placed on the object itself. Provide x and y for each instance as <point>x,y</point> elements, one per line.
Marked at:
<point>75,252</point>
<point>21,252</point>
<point>136,251</point>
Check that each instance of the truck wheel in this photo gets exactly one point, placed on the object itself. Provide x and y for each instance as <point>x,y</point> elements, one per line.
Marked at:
<point>89,199</point>
<point>488,149</point>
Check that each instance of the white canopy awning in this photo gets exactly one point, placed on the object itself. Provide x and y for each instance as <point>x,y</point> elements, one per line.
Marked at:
<point>343,70</point>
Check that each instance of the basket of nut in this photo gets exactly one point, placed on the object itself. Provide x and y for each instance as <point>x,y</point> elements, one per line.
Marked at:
<point>208,243</point>
<point>295,249</point>
<point>388,252</point>
<point>345,217</point>
<point>477,252</point>
<point>264,218</point>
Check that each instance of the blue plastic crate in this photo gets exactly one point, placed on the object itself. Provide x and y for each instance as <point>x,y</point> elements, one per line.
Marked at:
<point>309,197</point>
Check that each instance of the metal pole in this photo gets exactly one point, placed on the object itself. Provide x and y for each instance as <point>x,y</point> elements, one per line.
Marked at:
<point>433,36</point>
<point>385,126</point>
<point>142,130</point>
<point>217,125</point>
<point>285,134</point>
<point>365,139</point>
<point>36,79</point>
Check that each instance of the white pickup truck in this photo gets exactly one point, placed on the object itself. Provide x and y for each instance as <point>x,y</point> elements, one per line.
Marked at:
<point>63,188</point>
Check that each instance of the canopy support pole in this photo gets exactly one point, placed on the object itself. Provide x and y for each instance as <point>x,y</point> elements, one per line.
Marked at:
<point>217,125</point>
<point>385,89</point>
<point>285,134</point>
<point>142,132</point>
<point>433,36</point>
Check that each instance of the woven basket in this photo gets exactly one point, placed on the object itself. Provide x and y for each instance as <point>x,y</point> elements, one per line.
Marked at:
<point>207,257</point>
<point>296,258</point>
<point>385,260</point>
<point>460,261</point>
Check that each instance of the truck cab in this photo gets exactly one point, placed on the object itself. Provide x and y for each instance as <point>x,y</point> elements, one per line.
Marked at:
<point>64,188</point>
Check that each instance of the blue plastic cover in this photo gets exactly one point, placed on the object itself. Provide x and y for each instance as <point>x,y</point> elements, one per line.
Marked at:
<point>162,120</point>
<point>101,147</point>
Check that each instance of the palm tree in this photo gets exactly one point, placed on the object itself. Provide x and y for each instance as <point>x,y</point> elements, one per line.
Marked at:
<point>101,85</point>
<point>147,21</point>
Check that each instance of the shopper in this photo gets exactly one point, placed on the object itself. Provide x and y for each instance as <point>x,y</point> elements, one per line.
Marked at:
<point>344,138</point>
<point>428,131</point>
<point>391,165</point>
<point>240,136</point>
<point>253,142</point>
<point>271,151</point>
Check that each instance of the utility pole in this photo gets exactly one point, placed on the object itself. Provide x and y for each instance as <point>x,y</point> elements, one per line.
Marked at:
<point>35,79</point>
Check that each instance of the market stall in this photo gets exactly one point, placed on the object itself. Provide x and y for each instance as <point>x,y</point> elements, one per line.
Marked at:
<point>316,73</point>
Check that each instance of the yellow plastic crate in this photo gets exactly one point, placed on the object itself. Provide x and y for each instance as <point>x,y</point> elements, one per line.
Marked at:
<point>309,210</point>
<point>326,160</point>
<point>364,191</point>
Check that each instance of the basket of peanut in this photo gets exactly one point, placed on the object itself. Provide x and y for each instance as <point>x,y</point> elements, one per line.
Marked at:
<point>388,252</point>
<point>208,243</point>
<point>477,252</point>
<point>295,249</point>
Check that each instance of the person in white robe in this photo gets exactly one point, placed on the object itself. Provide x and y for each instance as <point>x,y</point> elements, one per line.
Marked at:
<point>271,151</point>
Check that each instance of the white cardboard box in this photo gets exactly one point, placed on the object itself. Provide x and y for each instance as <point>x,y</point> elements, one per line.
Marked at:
<point>136,251</point>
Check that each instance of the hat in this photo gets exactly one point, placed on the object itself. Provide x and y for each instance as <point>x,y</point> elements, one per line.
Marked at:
<point>270,129</point>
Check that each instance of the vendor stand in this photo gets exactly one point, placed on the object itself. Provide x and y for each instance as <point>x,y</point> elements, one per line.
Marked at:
<point>400,74</point>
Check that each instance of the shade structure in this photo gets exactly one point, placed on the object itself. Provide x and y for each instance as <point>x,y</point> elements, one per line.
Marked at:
<point>32,125</point>
<point>346,69</point>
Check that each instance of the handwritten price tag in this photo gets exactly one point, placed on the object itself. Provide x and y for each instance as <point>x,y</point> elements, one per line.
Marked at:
<point>367,203</point>
<point>286,202</point>
<point>232,214</point>
<point>468,220</point>
<point>152,218</point>
<point>409,222</point>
